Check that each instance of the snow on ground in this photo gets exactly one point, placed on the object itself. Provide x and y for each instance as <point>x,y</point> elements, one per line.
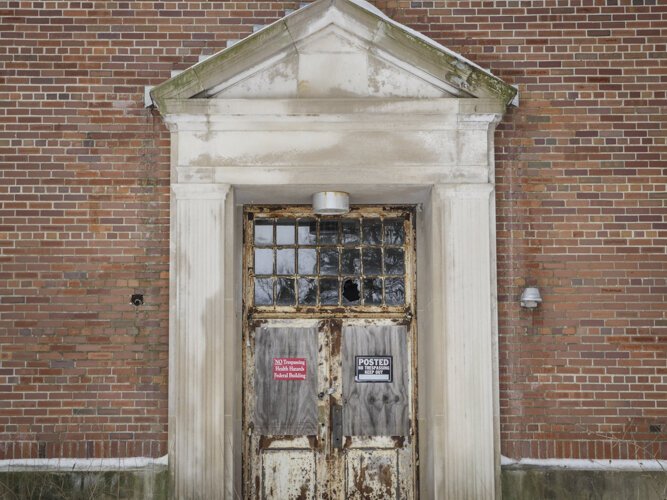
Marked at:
<point>584,464</point>
<point>81,464</point>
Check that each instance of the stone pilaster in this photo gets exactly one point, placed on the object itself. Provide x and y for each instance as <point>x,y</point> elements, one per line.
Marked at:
<point>461,420</point>
<point>196,337</point>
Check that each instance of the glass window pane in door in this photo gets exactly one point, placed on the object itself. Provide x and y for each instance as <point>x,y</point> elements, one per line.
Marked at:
<point>307,261</point>
<point>394,291</point>
<point>285,295</point>
<point>394,232</point>
<point>373,291</point>
<point>307,291</point>
<point>285,232</point>
<point>263,261</point>
<point>350,232</point>
<point>394,261</point>
<point>329,291</point>
<point>329,261</point>
<point>264,232</point>
<point>372,231</point>
<point>328,232</point>
<point>350,261</point>
<point>372,260</point>
<point>307,231</point>
<point>285,261</point>
<point>263,291</point>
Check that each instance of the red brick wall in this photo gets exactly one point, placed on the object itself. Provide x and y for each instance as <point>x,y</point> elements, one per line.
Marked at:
<point>581,172</point>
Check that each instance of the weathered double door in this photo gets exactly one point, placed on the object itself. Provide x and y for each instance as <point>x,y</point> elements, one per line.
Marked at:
<point>329,374</point>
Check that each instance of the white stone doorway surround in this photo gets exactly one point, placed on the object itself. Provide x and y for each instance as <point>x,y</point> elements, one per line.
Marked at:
<point>426,140</point>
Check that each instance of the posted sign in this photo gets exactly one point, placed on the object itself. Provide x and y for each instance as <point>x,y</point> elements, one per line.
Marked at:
<point>373,369</point>
<point>289,368</point>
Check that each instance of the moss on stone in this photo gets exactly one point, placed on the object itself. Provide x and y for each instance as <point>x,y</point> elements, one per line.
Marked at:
<point>474,79</point>
<point>193,80</point>
<point>494,85</point>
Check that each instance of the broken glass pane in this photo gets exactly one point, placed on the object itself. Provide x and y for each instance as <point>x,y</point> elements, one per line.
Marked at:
<point>350,230</point>
<point>263,231</point>
<point>285,261</point>
<point>263,291</point>
<point>394,233</point>
<point>307,261</point>
<point>285,232</point>
<point>351,292</point>
<point>372,261</point>
<point>394,291</point>
<point>285,291</point>
<point>328,232</point>
<point>373,291</point>
<point>372,230</point>
<point>351,261</point>
<point>329,261</point>
<point>307,230</point>
<point>263,261</point>
<point>328,291</point>
<point>308,291</point>
<point>394,261</point>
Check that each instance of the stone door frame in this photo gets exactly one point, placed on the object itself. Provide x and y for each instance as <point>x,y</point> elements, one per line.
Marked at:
<point>456,280</point>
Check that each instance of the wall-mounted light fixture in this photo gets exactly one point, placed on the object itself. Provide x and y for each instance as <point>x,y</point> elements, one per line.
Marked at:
<point>331,203</point>
<point>530,298</point>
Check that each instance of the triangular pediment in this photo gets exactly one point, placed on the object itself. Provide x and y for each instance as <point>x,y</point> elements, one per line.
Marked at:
<point>334,49</point>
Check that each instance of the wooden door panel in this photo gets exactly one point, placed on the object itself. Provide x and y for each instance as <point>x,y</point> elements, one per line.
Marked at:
<point>285,430</point>
<point>375,408</point>
<point>286,401</point>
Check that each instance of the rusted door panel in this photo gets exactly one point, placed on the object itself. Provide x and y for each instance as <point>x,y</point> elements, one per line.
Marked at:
<point>289,474</point>
<point>372,475</point>
<point>286,397</point>
<point>375,408</point>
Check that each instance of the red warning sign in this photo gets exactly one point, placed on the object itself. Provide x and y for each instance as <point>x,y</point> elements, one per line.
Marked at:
<point>289,368</point>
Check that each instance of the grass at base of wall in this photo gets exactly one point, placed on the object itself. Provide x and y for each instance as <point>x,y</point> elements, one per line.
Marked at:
<point>140,484</point>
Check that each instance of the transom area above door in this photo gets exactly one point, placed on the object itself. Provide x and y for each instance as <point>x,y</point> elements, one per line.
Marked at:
<point>296,261</point>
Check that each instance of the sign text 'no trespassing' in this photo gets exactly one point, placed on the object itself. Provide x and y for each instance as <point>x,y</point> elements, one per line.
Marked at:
<point>373,369</point>
<point>289,369</point>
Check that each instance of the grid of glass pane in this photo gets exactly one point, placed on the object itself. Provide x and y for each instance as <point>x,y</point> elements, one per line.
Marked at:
<point>329,262</point>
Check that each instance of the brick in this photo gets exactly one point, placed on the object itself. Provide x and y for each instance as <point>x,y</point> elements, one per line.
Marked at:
<point>580,213</point>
